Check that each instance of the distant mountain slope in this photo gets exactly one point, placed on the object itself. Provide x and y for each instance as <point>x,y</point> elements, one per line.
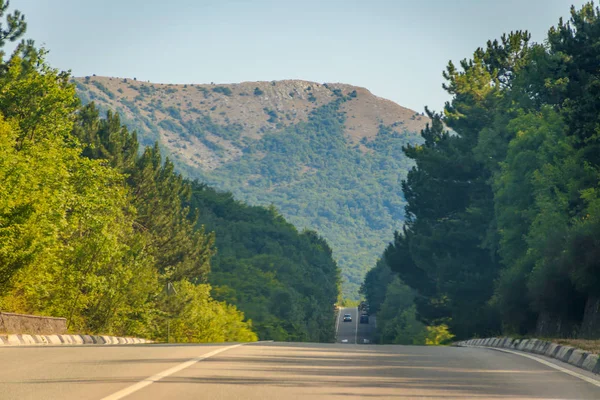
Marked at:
<point>329,156</point>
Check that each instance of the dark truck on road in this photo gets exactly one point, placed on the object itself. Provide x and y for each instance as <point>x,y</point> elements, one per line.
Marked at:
<point>363,309</point>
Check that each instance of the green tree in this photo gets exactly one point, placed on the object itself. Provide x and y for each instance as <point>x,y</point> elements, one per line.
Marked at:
<point>448,251</point>
<point>15,25</point>
<point>396,320</point>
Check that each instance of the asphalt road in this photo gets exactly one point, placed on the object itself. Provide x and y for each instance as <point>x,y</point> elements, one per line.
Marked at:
<point>366,332</point>
<point>354,332</point>
<point>279,371</point>
<point>347,331</point>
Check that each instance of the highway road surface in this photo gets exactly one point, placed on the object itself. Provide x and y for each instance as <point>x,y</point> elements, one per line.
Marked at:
<point>347,331</point>
<point>354,332</point>
<point>279,371</point>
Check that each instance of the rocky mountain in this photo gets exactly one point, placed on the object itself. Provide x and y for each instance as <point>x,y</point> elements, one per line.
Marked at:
<point>327,156</point>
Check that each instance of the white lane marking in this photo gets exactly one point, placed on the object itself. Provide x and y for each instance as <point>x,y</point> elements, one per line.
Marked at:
<point>549,364</point>
<point>356,332</point>
<point>155,378</point>
<point>337,325</point>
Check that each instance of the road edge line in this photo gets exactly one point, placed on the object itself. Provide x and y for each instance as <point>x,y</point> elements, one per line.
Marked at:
<point>163,374</point>
<point>549,364</point>
<point>337,324</point>
<point>356,331</point>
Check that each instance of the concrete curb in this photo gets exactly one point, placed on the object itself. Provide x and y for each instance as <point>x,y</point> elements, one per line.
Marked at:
<point>576,357</point>
<point>73,340</point>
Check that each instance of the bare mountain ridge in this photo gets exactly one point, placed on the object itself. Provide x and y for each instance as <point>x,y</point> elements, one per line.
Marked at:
<point>256,107</point>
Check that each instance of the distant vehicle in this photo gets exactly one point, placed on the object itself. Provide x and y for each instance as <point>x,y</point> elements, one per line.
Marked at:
<point>344,340</point>
<point>364,319</point>
<point>363,307</point>
<point>347,318</point>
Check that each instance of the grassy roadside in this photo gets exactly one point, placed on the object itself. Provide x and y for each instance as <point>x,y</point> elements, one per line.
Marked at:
<point>589,345</point>
<point>592,346</point>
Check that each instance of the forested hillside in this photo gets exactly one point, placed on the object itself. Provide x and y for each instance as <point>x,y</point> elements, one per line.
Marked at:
<point>285,281</point>
<point>328,156</point>
<point>102,232</point>
<point>503,214</point>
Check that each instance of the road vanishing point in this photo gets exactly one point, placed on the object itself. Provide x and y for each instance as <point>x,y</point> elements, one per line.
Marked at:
<point>281,371</point>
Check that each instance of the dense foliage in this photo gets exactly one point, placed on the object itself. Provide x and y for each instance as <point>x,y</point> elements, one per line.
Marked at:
<point>503,214</point>
<point>285,281</point>
<point>107,235</point>
<point>393,303</point>
<point>92,232</point>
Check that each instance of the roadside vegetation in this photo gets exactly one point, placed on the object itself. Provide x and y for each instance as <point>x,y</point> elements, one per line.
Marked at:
<point>102,231</point>
<point>591,346</point>
<point>284,280</point>
<point>503,214</point>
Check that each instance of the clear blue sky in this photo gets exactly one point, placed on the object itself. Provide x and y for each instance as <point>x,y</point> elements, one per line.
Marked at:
<point>395,48</point>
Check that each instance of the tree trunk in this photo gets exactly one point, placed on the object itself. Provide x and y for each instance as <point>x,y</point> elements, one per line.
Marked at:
<point>552,325</point>
<point>590,327</point>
